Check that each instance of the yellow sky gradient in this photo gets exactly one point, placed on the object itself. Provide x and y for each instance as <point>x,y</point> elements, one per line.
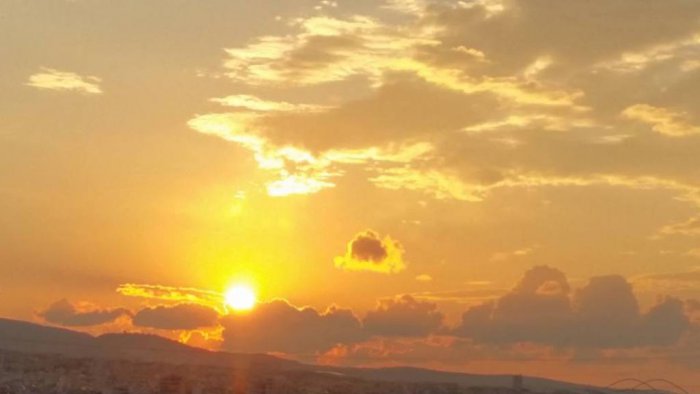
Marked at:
<point>345,155</point>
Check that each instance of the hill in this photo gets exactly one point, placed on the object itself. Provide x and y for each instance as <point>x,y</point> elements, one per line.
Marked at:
<point>26,337</point>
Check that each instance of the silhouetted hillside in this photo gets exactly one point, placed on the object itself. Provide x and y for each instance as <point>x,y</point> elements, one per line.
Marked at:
<point>28,337</point>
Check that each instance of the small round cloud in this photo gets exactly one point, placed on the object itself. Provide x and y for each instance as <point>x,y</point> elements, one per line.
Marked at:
<point>368,252</point>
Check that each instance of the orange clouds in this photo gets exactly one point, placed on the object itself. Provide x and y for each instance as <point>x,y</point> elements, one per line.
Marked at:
<point>278,326</point>
<point>603,314</point>
<point>662,120</point>
<point>542,318</point>
<point>52,79</point>
<point>403,316</point>
<point>171,293</point>
<point>368,252</point>
<point>64,313</point>
<point>176,317</point>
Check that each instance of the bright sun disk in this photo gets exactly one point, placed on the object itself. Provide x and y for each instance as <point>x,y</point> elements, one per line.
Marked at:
<point>240,298</point>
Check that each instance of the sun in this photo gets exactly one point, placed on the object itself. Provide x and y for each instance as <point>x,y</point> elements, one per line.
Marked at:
<point>240,298</point>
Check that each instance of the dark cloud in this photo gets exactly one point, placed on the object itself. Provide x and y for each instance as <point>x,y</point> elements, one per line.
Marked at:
<point>541,309</point>
<point>177,317</point>
<point>525,314</point>
<point>608,316</point>
<point>665,323</point>
<point>403,316</point>
<point>395,113</point>
<point>278,326</point>
<point>543,280</point>
<point>65,313</point>
<point>368,252</point>
<point>603,314</point>
<point>368,247</point>
<point>607,313</point>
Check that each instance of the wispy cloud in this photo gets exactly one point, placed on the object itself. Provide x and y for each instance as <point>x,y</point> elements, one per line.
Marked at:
<point>299,170</point>
<point>254,103</point>
<point>171,293</point>
<point>507,255</point>
<point>471,295</point>
<point>49,78</point>
<point>662,120</point>
<point>689,227</point>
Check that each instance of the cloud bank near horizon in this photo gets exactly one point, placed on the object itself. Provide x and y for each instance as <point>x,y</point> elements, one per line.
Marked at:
<point>542,311</point>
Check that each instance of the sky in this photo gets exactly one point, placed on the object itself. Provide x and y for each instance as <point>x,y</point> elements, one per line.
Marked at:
<point>489,186</point>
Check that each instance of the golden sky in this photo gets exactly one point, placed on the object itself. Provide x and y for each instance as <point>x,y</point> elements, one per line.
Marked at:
<point>478,185</point>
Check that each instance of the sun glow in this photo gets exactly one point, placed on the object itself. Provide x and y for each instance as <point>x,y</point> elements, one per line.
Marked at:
<point>240,298</point>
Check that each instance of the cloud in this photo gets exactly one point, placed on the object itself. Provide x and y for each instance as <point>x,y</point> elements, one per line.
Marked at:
<point>541,316</point>
<point>520,121</point>
<point>541,280</point>
<point>624,26</point>
<point>411,7</point>
<point>328,49</point>
<point>53,79</point>
<point>393,113</point>
<point>476,187</point>
<point>436,183</point>
<point>665,323</point>
<point>681,52</point>
<point>475,294</point>
<point>297,184</point>
<point>448,186</point>
<point>670,282</point>
<point>176,317</point>
<point>368,252</point>
<point>171,293</point>
<point>607,312</point>
<point>662,120</point>
<point>689,227</point>
<point>65,313</point>
<point>299,170</point>
<point>325,49</point>
<point>205,339</point>
<point>424,278</point>
<point>254,103</point>
<point>537,115</point>
<point>503,256</point>
<point>382,131</point>
<point>403,316</point>
<point>278,326</point>
<point>531,312</point>
<point>604,314</point>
